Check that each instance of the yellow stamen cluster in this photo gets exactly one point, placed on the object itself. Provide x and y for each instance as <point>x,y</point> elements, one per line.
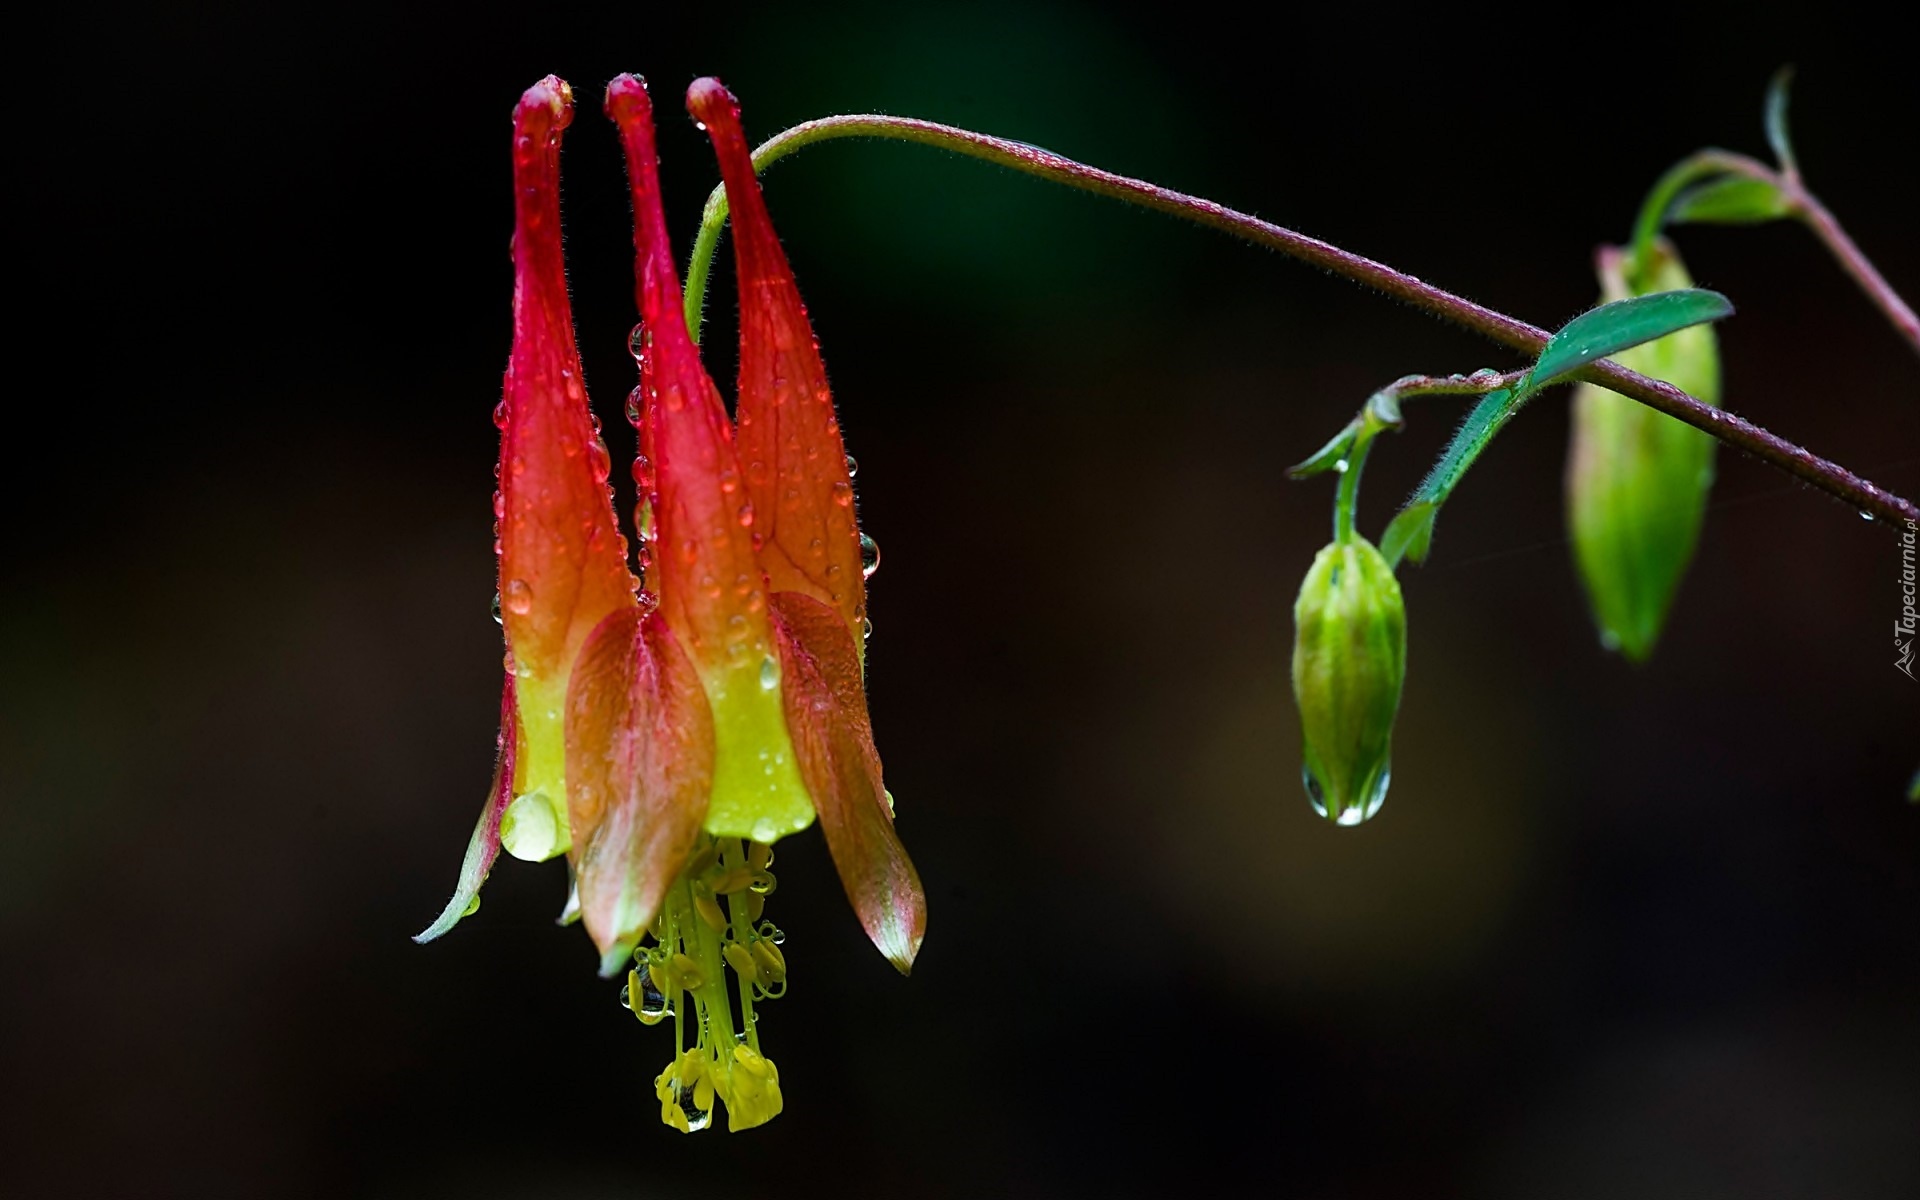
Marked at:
<point>711,925</point>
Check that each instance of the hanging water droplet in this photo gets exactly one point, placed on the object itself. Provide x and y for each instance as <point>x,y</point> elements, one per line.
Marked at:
<point>638,341</point>
<point>518,597</point>
<point>866,628</point>
<point>869,556</point>
<point>1340,468</point>
<point>697,1118</point>
<point>500,413</point>
<point>497,618</point>
<point>1865,515</point>
<point>778,937</point>
<point>853,468</point>
<point>639,996</point>
<point>1362,809</point>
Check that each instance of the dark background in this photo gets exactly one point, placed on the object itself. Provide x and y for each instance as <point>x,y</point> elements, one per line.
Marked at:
<point>1617,932</point>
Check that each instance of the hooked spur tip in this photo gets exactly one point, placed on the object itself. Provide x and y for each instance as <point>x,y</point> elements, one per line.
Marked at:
<point>627,91</point>
<point>550,97</point>
<point>709,101</point>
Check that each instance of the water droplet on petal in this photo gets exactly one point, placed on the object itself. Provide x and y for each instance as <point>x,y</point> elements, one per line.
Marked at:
<point>769,673</point>
<point>518,597</point>
<point>500,412</point>
<point>869,556</point>
<point>842,493</point>
<point>638,341</point>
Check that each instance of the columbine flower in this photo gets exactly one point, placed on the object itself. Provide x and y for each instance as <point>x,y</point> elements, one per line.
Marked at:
<point>666,740</point>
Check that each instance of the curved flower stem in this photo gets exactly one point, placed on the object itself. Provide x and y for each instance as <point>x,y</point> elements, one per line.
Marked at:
<point>1477,384</point>
<point>1858,265</point>
<point>1800,203</point>
<point>1829,477</point>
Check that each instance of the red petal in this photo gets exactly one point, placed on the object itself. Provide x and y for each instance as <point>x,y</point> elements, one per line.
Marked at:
<point>789,439</point>
<point>826,706</point>
<point>563,563</point>
<point>712,592</point>
<point>639,765</point>
<point>485,844</point>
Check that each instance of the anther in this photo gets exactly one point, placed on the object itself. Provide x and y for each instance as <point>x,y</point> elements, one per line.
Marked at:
<point>686,973</point>
<point>772,963</point>
<point>736,880</point>
<point>742,961</point>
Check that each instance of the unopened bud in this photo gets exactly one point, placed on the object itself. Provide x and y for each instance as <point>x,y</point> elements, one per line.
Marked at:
<point>1637,479</point>
<point>1349,657</point>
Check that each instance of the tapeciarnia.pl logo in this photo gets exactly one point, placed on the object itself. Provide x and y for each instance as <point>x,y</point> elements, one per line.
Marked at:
<point>1903,626</point>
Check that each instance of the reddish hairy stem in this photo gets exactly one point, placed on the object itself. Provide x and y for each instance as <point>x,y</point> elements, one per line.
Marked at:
<point>1508,331</point>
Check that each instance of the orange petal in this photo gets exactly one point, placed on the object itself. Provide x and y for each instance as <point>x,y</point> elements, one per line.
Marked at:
<point>562,560</point>
<point>703,519</point>
<point>713,594</point>
<point>789,438</point>
<point>826,707</point>
<point>485,844</point>
<point>640,760</point>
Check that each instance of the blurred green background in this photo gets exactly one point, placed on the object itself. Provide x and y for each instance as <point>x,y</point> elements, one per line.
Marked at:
<point>1617,932</point>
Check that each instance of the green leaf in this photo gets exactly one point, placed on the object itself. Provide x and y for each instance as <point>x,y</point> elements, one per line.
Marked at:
<point>1777,120</point>
<point>1493,411</point>
<point>1329,456</point>
<point>1731,200</point>
<point>1409,534</point>
<point>1621,325</point>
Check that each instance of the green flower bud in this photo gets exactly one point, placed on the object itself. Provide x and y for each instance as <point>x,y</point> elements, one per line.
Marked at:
<point>1637,480</point>
<point>1349,657</point>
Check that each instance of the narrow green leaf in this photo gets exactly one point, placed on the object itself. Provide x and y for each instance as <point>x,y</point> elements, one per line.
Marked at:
<point>1409,534</point>
<point>1485,420</point>
<point>1329,456</point>
<point>1614,327</point>
<point>1731,200</point>
<point>1777,120</point>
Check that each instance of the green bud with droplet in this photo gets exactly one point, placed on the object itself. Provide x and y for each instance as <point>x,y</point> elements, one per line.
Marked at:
<point>1349,658</point>
<point>1637,479</point>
